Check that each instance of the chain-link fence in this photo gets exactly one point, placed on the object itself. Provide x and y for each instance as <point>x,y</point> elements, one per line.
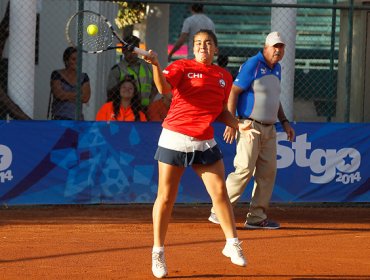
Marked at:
<point>323,71</point>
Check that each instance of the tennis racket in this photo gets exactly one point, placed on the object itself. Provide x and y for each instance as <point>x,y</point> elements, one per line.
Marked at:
<point>105,38</point>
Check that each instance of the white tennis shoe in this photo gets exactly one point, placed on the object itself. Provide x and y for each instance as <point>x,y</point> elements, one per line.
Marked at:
<point>213,218</point>
<point>235,253</point>
<point>159,267</point>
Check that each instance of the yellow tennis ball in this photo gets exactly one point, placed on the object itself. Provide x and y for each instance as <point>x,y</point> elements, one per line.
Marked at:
<point>92,29</point>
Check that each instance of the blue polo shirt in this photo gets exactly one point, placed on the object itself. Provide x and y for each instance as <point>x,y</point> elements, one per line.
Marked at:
<point>260,98</point>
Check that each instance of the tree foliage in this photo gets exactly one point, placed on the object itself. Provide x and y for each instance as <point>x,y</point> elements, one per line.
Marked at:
<point>130,13</point>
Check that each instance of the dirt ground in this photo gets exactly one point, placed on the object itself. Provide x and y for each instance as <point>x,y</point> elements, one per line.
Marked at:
<point>114,242</point>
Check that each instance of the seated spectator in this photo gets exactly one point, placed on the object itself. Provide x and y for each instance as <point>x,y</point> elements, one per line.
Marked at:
<point>158,110</point>
<point>123,103</point>
<point>63,88</point>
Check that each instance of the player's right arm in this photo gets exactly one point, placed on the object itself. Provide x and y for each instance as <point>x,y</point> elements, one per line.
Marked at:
<point>160,81</point>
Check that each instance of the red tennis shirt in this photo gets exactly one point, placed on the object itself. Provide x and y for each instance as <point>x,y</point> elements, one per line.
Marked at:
<point>199,93</point>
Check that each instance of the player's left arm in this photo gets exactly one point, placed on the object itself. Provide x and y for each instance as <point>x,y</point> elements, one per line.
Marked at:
<point>228,119</point>
<point>285,123</point>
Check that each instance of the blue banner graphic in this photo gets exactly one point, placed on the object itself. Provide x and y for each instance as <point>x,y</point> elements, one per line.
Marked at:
<point>70,162</point>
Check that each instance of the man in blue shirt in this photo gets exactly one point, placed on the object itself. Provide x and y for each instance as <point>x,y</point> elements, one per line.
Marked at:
<point>255,98</point>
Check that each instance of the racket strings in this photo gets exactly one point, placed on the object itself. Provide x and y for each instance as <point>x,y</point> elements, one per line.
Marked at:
<point>91,43</point>
<point>100,41</point>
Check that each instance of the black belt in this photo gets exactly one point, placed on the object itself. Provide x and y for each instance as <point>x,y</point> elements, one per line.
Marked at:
<point>262,123</point>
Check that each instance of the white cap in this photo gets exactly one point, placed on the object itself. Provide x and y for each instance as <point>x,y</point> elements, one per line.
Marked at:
<point>274,38</point>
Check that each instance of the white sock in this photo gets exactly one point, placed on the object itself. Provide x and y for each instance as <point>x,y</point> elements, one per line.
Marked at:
<point>232,240</point>
<point>158,249</point>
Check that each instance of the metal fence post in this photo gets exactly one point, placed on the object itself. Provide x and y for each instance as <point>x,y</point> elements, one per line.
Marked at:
<point>349,61</point>
<point>79,63</point>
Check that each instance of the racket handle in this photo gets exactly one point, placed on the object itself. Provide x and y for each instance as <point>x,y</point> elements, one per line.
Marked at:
<point>140,51</point>
<point>134,49</point>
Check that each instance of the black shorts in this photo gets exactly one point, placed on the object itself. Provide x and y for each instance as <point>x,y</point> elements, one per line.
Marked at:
<point>181,150</point>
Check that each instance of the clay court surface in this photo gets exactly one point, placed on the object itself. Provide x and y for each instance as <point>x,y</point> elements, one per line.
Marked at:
<point>114,242</point>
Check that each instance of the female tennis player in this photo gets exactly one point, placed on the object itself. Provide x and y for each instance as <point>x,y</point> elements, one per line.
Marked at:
<point>200,91</point>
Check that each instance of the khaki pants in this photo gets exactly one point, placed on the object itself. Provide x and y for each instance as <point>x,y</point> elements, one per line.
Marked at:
<point>256,159</point>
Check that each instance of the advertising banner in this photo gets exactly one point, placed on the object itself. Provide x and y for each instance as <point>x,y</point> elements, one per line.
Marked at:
<point>71,162</point>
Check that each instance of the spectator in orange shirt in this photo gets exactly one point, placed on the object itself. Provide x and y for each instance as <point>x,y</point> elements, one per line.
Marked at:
<point>158,110</point>
<point>124,104</point>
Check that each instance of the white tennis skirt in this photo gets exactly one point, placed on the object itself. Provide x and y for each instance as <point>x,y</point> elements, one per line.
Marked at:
<point>181,150</point>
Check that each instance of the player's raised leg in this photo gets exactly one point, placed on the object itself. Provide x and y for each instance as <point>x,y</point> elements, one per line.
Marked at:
<point>216,187</point>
